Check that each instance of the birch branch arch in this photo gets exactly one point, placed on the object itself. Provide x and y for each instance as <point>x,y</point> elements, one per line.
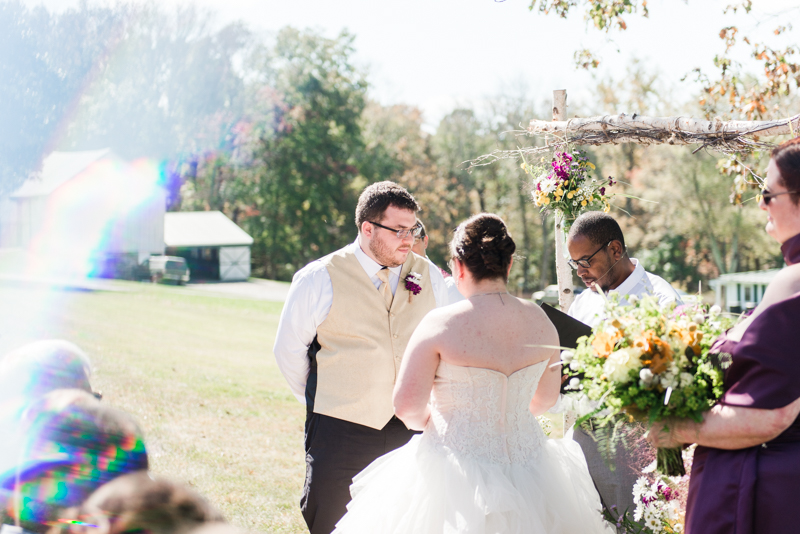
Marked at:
<point>726,137</point>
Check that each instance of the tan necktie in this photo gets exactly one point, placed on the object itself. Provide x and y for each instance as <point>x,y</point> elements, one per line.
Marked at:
<point>386,289</point>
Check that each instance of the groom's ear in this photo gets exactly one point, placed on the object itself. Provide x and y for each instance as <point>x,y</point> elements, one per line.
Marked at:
<point>367,229</point>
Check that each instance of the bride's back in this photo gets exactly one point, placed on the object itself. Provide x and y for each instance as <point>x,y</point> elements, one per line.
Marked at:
<point>490,328</point>
<point>491,333</point>
<point>496,331</point>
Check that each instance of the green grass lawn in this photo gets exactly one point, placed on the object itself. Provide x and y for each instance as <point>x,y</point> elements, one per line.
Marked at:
<point>198,374</point>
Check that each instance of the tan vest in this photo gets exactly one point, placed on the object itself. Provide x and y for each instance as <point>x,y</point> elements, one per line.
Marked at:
<point>362,343</point>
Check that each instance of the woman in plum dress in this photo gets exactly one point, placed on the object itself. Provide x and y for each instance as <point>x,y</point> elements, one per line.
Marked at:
<point>474,376</point>
<point>746,470</point>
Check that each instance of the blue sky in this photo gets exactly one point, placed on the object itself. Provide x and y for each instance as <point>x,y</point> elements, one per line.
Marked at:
<point>437,54</point>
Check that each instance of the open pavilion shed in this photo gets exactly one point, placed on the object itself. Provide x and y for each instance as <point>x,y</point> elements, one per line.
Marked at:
<point>215,247</point>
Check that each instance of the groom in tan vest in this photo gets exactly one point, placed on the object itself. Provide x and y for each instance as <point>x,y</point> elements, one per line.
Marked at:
<point>341,337</point>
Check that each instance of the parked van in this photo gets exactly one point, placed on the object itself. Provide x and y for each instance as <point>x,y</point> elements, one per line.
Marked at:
<point>165,268</point>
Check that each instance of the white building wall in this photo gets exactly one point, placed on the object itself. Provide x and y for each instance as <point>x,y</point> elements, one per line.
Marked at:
<point>8,223</point>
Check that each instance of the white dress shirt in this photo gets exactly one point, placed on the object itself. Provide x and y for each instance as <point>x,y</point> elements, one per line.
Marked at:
<point>308,303</point>
<point>589,306</point>
<point>453,294</point>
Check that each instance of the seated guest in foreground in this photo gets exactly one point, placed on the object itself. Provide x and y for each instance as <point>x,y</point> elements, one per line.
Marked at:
<point>597,250</point>
<point>73,444</point>
<point>746,470</point>
<point>43,366</point>
<point>138,502</point>
<point>27,374</point>
<point>420,247</point>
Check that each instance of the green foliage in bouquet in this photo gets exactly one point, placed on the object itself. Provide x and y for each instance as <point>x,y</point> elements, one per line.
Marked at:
<point>646,363</point>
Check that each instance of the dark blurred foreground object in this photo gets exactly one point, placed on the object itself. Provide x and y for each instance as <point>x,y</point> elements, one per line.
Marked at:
<point>569,330</point>
<point>73,444</point>
<point>137,502</point>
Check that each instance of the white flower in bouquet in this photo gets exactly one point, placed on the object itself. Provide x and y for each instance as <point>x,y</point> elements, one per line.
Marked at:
<point>646,377</point>
<point>686,379</point>
<point>654,524</point>
<point>620,363</point>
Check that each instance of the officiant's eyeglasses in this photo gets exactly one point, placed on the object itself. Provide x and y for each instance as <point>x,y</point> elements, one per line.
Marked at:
<point>414,231</point>
<point>767,196</point>
<point>585,263</point>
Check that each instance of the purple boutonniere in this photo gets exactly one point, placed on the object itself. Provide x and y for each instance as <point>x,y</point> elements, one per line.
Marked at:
<point>412,284</point>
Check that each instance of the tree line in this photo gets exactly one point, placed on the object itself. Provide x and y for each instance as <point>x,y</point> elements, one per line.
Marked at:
<point>280,133</point>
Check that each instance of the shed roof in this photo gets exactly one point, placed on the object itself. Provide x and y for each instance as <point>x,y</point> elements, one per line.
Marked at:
<point>202,229</point>
<point>58,168</point>
<point>748,277</point>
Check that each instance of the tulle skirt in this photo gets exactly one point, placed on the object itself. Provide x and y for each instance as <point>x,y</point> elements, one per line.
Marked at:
<point>426,488</point>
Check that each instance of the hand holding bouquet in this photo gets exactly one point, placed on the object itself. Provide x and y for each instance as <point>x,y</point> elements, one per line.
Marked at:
<point>650,364</point>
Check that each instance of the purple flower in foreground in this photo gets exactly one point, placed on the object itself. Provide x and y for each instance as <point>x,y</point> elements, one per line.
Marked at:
<point>602,190</point>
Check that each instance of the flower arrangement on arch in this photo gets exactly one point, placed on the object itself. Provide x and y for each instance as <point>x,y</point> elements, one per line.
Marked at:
<point>563,184</point>
<point>644,363</point>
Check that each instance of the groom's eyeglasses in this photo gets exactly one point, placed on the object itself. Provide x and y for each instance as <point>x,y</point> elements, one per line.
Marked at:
<point>585,262</point>
<point>414,231</point>
<point>767,196</point>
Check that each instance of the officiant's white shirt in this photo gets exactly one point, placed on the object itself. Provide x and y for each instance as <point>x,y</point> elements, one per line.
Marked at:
<point>589,306</point>
<point>308,303</point>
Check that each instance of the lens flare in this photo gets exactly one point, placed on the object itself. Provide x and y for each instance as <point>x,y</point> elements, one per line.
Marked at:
<point>108,210</point>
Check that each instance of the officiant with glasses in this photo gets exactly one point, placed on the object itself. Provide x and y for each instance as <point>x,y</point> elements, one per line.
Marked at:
<point>341,337</point>
<point>598,253</point>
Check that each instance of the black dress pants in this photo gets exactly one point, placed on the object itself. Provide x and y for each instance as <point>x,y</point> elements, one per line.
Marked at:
<point>336,451</point>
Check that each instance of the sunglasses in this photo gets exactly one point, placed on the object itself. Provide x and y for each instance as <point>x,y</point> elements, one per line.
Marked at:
<point>767,196</point>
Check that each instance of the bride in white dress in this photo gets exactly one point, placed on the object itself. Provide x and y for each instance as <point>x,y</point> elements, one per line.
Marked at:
<point>474,376</point>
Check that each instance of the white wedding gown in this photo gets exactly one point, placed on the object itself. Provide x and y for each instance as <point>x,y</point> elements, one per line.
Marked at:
<point>482,465</point>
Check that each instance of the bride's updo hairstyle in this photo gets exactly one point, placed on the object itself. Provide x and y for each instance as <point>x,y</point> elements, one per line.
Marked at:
<point>483,245</point>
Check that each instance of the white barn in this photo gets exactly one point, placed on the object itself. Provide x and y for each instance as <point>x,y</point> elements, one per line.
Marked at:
<point>87,213</point>
<point>214,247</point>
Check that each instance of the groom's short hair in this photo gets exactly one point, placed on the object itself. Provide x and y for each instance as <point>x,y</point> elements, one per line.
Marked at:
<point>598,227</point>
<point>374,200</point>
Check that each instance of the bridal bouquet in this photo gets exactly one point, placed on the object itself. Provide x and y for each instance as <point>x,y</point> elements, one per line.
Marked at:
<point>563,184</point>
<point>644,363</point>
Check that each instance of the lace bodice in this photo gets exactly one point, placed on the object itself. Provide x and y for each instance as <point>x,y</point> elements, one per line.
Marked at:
<point>483,414</point>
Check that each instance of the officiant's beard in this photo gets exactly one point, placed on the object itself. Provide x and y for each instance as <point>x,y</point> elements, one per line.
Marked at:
<point>385,254</point>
